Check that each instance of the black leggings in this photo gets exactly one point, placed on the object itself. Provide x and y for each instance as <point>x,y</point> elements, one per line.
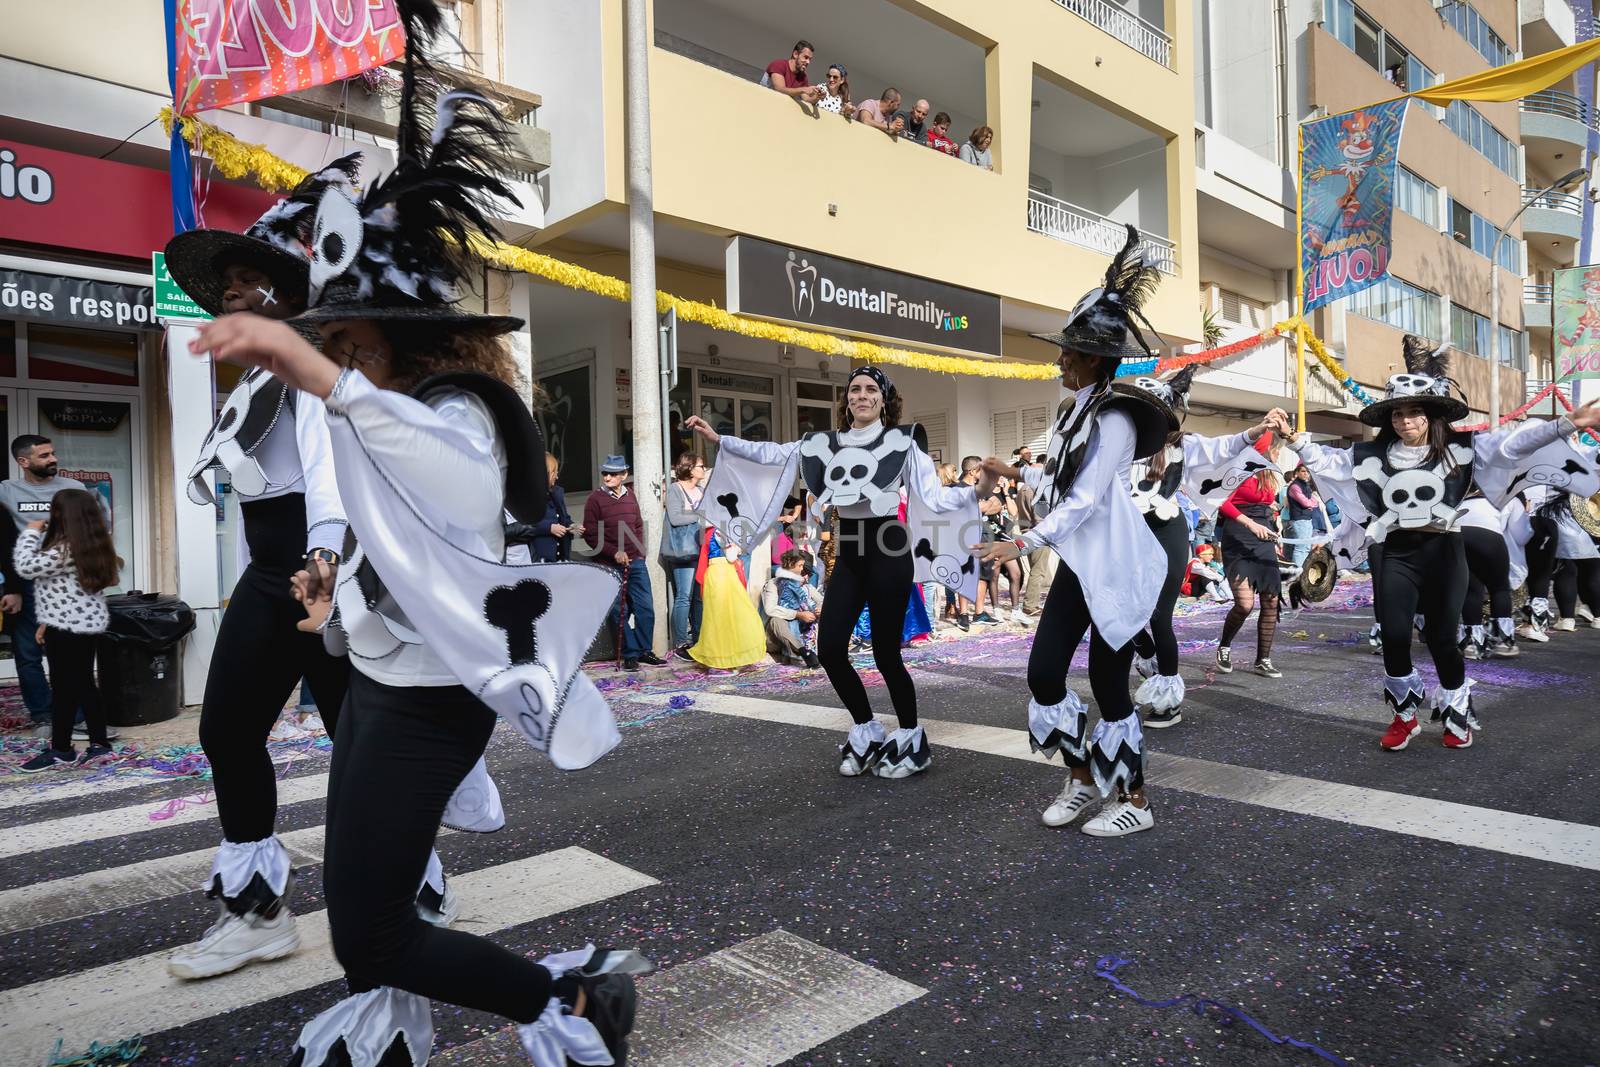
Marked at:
<point>399,756</point>
<point>1426,572</point>
<point>1062,624</point>
<point>872,569</point>
<point>1159,640</point>
<point>1573,578</point>
<point>71,659</point>
<point>1541,555</point>
<point>1488,574</point>
<point>258,660</point>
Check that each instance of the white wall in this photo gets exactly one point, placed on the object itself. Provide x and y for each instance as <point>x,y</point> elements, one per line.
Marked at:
<point>1129,185</point>
<point>554,47</point>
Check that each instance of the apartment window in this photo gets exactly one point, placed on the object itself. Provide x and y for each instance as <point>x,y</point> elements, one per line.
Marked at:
<point>1417,197</point>
<point>1338,18</point>
<point>1479,234</point>
<point>1241,310</point>
<point>1466,123</point>
<point>1419,77</point>
<point>1028,426</point>
<point>1476,31</point>
<point>1363,35</point>
<point>1400,304</point>
<point>1513,348</point>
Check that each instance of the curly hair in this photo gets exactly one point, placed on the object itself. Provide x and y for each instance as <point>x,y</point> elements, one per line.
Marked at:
<point>892,408</point>
<point>421,351</point>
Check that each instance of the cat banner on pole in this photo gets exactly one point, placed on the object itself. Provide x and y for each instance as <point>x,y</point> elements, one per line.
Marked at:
<point>233,51</point>
<point>1347,180</point>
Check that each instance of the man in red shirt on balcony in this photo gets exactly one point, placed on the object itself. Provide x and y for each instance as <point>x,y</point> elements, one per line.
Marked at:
<point>789,75</point>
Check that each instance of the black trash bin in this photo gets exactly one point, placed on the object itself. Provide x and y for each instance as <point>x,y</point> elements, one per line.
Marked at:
<point>138,657</point>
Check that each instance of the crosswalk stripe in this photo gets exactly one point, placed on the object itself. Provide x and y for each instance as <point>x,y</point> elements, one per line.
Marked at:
<point>762,1001</point>
<point>53,788</point>
<point>197,806</point>
<point>137,996</point>
<point>1531,836</point>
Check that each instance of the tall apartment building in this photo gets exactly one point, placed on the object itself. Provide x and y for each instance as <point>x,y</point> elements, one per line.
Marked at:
<point>84,201</point>
<point>1091,107</point>
<point>1465,169</point>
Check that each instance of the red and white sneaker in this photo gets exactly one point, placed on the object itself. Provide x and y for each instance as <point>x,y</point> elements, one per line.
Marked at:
<point>1400,733</point>
<point>1453,741</point>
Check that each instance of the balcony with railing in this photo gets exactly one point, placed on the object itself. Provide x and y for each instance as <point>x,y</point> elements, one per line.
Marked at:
<point>1536,299</point>
<point>1555,128</point>
<point>1057,218</point>
<point>1132,30</point>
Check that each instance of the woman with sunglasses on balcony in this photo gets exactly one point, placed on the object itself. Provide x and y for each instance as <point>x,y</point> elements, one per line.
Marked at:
<point>836,93</point>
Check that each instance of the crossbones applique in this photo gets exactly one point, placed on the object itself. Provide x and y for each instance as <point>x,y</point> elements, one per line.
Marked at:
<point>516,609</point>
<point>1413,500</point>
<point>852,474</point>
<point>1547,474</point>
<point>249,414</point>
<point>1232,479</point>
<point>1147,497</point>
<point>944,567</point>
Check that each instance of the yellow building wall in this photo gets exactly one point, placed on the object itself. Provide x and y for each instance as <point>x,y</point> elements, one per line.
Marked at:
<point>117,41</point>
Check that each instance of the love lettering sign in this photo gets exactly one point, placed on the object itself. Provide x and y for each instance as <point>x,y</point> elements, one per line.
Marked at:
<point>231,51</point>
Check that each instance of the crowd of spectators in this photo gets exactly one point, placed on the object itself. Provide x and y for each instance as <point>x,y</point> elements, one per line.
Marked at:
<point>792,77</point>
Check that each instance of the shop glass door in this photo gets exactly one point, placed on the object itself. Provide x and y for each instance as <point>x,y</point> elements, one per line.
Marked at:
<point>93,437</point>
<point>736,403</point>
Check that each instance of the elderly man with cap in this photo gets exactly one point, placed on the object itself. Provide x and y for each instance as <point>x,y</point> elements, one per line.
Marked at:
<point>614,528</point>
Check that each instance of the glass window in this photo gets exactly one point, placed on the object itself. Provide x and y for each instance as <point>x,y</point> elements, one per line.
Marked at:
<point>1400,304</point>
<point>1477,32</point>
<point>1461,222</point>
<point>1339,19</point>
<point>1466,123</point>
<point>8,350</point>
<point>1369,41</point>
<point>1417,197</point>
<point>94,441</point>
<point>69,354</point>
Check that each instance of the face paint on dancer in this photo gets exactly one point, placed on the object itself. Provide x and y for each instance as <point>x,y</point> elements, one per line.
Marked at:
<point>1410,421</point>
<point>866,401</point>
<point>250,289</point>
<point>360,345</point>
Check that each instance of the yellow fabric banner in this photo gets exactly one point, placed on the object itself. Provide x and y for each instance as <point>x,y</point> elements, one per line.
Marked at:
<point>1514,80</point>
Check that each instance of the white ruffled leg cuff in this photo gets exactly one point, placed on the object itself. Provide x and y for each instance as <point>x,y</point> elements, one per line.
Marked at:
<point>555,1037</point>
<point>1404,695</point>
<point>863,735</point>
<point>433,877</point>
<point>475,805</point>
<point>1161,692</point>
<point>236,863</point>
<point>1455,705</point>
<point>1059,728</point>
<point>1505,627</point>
<point>1145,665</point>
<point>369,1023</point>
<point>1116,753</point>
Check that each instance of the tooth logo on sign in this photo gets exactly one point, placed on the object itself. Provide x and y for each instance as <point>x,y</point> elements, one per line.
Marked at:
<point>802,286</point>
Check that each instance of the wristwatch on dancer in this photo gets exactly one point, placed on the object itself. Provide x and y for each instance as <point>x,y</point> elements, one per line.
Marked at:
<point>322,555</point>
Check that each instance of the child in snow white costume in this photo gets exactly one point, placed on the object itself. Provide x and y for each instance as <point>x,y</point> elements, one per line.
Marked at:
<point>273,443</point>
<point>1112,566</point>
<point>1408,487</point>
<point>431,448</point>
<point>858,470</point>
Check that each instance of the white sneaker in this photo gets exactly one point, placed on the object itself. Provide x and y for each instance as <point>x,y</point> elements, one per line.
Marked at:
<point>287,729</point>
<point>311,723</point>
<point>1119,820</point>
<point>1529,632</point>
<point>1018,616</point>
<point>1594,624</point>
<point>1585,614</point>
<point>233,941</point>
<point>1565,626</point>
<point>1070,804</point>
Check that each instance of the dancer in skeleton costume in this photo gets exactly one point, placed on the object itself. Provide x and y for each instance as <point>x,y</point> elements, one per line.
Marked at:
<point>858,470</point>
<point>1408,486</point>
<point>1488,546</point>
<point>1112,567</point>
<point>1577,572</point>
<point>431,446</point>
<point>1186,461</point>
<point>1538,615</point>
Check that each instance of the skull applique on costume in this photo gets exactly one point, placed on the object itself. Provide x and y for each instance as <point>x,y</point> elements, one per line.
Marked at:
<point>946,569</point>
<point>248,416</point>
<point>1412,385</point>
<point>853,474</point>
<point>1156,387</point>
<point>1414,500</point>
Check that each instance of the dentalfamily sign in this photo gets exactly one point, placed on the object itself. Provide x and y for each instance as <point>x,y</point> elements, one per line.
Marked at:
<point>805,288</point>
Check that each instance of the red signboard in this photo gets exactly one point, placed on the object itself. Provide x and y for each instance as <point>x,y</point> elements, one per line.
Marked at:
<point>63,200</point>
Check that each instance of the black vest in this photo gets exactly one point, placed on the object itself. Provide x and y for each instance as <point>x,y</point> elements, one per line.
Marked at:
<point>839,475</point>
<point>1416,498</point>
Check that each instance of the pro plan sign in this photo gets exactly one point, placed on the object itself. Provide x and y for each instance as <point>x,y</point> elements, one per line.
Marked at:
<point>806,288</point>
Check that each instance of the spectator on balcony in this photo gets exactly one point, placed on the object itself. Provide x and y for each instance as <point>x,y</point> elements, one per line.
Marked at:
<point>938,136</point>
<point>976,150</point>
<point>883,113</point>
<point>789,75</point>
<point>836,92</point>
<point>917,121</point>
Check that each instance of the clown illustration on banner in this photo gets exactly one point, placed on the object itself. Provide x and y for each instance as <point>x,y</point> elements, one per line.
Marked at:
<point>1575,316</point>
<point>1347,177</point>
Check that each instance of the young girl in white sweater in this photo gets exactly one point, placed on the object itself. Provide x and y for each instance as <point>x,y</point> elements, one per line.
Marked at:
<point>71,561</point>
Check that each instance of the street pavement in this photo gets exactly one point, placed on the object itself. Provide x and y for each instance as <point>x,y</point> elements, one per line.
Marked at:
<point>1332,902</point>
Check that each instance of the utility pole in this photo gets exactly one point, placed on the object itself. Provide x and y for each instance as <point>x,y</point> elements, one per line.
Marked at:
<point>648,476</point>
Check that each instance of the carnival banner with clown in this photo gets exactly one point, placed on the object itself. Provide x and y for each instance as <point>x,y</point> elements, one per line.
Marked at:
<point>1575,321</point>
<point>1347,176</point>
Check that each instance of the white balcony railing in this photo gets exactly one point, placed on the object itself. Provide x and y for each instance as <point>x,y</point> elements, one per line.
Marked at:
<point>1564,105</point>
<point>1079,226</point>
<point>1571,203</point>
<point>1125,26</point>
<point>1534,293</point>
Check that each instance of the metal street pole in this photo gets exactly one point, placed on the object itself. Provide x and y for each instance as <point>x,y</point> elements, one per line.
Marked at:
<point>648,476</point>
<point>1563,182</point>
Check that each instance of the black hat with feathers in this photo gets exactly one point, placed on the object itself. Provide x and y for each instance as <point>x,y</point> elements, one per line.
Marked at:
<point>277,244</point>
<point>404,251</point>
<point>1426,381</point>
<point>1103,322</point>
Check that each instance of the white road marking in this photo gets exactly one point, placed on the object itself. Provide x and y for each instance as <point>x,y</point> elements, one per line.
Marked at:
<point>199,805</point>
<point>762,1001</point>
<point>1551,840</point>
<point>137,996</point>
<point>55,785</point>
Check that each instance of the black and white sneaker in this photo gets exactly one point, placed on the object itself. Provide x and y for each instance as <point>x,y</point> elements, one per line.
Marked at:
<point>1119,820</point>
<point>905,753</point>
<point>861,749</point>
<point>1265,668</point>
<point>1224,660</point>
<point>1158,720</point>
<point>48,759</point>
